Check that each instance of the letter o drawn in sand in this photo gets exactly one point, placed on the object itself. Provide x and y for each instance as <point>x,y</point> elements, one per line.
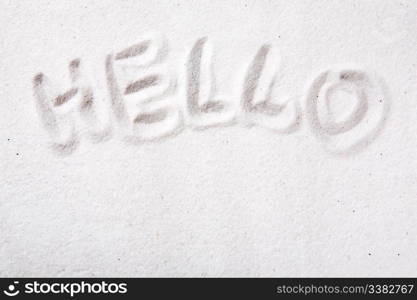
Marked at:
<point>356,123</point>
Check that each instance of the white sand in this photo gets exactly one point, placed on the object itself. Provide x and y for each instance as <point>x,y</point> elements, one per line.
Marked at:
<point>295,186</point>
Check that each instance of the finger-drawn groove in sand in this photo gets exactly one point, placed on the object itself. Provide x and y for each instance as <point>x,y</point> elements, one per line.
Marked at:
<point>61,99</point>
<point>259,108</point>
<point>204,109</point>
<point>144,103</point>
<point>60,128</point>
<point>133,51</point>
<point>145,111</point>
<point>60,112</point>
<point>362,124</point>
<point>141,84</point>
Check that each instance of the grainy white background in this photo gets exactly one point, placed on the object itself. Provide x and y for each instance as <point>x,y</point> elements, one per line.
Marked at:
<point>228,201</point>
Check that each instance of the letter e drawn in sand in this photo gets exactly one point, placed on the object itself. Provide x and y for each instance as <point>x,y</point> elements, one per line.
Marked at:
<point>142,91</point>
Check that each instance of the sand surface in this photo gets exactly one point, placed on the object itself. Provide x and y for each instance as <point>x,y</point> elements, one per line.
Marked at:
<point>208,138</point>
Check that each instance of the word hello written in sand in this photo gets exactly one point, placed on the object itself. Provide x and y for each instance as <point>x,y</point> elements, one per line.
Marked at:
<point>143,101</point>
